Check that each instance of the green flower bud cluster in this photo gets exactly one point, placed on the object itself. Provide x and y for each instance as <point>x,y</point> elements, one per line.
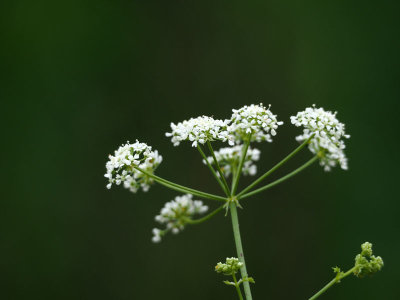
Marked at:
<point>366,263</point>
<point>231,266</point>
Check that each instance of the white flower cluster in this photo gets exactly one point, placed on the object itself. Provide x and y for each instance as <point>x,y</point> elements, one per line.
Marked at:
<point>199,130</point>
<point>175,213</point>
<point>329,133</point>
<point>120,167</point>
<point>229,158</point>
<point>256,120</point>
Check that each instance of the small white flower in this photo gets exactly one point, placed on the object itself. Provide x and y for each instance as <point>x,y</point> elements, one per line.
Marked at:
<point>199,130</point>
<point>256,120</point>
<point>156,235</point>
<point>229,158</point>
<point>175,213</point>
<point>120,167</point>
<point>328,135</point>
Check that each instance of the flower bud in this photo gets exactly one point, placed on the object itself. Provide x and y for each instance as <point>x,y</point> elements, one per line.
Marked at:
<point>366,263</point>
<point>231,266</point>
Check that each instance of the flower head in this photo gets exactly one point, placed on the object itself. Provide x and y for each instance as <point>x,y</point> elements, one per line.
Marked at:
<point>256,120</point>
<point>199,130</point>
<point>176,213</point>
<point>231,266</point>
<point>228,159</point>
<point>328,133</point>
<point>366,263</point>
<point>121,166</point>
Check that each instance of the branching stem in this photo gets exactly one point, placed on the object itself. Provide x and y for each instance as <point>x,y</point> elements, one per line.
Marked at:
<point>276,167</point>
<point>332,282</point>
<point>239,249</point>
<point>237,287</point>
<point>205,218</point>
<point>181,188</point>
<point>282,179</point>
<point>213,171</point>
<point>218,167</point>
<point>236,176</point>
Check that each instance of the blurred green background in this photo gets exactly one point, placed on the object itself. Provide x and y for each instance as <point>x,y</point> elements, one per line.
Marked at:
<point>79,78</point>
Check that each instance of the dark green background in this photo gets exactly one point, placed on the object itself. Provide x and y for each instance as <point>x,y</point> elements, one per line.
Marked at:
<point>79,78</point>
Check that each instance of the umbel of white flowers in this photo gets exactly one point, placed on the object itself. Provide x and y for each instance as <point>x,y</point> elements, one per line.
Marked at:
<point>121,166</point>
<point>328,135</point>
<point>256,120</point>
<point>199,130</point>
<point>228,159</point>
<point>176,214</point>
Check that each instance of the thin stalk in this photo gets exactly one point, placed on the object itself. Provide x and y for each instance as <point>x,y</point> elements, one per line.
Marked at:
<point>282,179</point>
<point>218,166</point>
<point>212,170</point>
<point>191,191</point>
<point>331,283</point>
<point>183,191</point>
<point>181,188</point>
<point>239,170</point>
<point>237,287</point>
<point>205,218</point>
<point>239,249</point>
<point>234,169</point>
<point>276,167</point>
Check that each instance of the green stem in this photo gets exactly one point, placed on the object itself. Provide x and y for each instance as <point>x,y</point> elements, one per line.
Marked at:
<point>218,166</point>
<point>331,283</point>
<point>212,170</point>
<point>239,170</point>
<point>348,272</point>
<point>234,169</point>
<point>181,188</point>
<point>277,166</point>
<point>205,218</point>
<point>310,162</point>
<point>237,287</point>
<point>239,249</point>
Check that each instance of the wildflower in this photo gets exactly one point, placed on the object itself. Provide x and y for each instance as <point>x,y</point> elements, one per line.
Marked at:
<point>176,213</point>
<point>228,159</point>
<point>328,133</point>
<point>256,120</point>
<point>199,130</point>
<point>121,166</point>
